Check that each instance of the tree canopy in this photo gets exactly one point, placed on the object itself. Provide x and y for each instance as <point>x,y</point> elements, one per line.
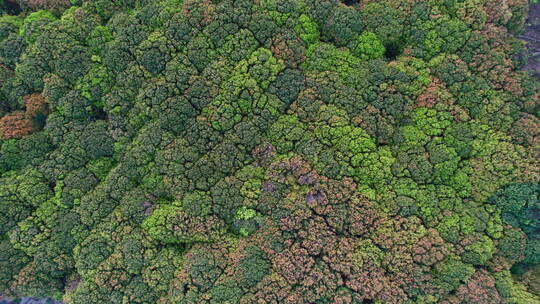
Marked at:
<point>271,151</point>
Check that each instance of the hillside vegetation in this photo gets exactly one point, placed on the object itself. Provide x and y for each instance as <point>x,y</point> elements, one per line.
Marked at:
<point>268,151</point>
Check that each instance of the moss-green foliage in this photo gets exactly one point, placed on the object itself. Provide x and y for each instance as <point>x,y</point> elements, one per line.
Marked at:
<point>327,57</point>
<point>387,23</point>
<point>34,24</point>
<point>513,292</point>
<point>308,30</point>
<point>519,204</point>
<point>450,273</point>
<point>254,266</point>
<point>9,22</point>
<point>276,151</point>
<point>171,224</point>
<point>368,46</point>
<point>98,38</point>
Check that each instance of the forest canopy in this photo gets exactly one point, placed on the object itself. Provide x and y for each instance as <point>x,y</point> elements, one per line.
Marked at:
<point>269,151</point>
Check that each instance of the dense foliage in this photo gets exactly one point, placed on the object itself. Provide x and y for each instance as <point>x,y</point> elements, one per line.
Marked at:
<point>270,151</point>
